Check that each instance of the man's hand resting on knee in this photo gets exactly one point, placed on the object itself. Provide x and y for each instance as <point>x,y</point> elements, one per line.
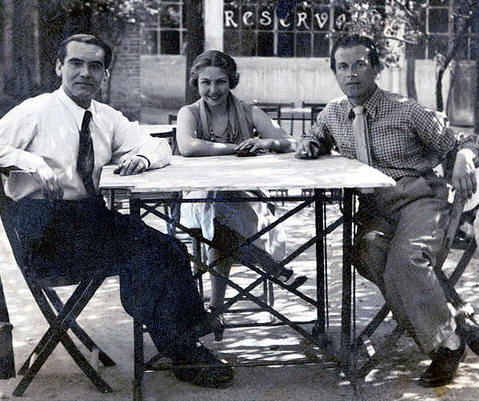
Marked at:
<point>463,177</point>
<point>49,183</point>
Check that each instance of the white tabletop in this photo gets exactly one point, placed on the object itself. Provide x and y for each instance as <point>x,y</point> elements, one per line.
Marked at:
<point>271,171</point>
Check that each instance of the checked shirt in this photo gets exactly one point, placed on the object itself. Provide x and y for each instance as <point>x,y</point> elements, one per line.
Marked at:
<point>406,139</point>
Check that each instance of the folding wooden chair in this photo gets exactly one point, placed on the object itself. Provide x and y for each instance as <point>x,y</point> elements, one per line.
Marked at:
<point>7,357</point>
<point>316,108</point>
<point>60,316</point>
<point>451,241</point>
<point>172,117</point>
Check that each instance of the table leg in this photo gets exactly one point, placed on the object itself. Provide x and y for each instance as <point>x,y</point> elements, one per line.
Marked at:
<point>138,354</point>
<point>347,280</point>
<point>319,330</point>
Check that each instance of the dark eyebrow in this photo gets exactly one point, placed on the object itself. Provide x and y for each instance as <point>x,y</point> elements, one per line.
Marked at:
<point>97,63</point>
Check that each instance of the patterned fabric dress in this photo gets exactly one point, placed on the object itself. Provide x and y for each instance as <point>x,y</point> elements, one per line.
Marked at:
<point>246,218</point>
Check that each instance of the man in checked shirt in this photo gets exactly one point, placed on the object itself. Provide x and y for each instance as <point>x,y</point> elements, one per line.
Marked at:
<point>400,228</point>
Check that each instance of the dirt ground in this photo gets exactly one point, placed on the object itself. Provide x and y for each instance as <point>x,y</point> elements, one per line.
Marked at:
<point>393,379</point>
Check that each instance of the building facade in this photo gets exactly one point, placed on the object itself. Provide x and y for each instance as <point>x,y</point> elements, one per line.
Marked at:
<point>282,58</point>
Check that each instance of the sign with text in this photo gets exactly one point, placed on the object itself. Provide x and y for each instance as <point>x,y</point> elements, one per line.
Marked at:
<point>299,19</point>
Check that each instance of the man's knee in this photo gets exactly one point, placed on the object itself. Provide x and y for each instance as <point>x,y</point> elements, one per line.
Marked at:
<point>408,258</point>
<point>369,255</point>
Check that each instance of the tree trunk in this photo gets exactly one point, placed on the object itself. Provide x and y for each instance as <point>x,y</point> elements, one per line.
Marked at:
<point>450,55</point>
<point>410,79</point>
<point>115,46</point>
<point>476,98</point>
<point>22,79</point>
<point>195,42</point>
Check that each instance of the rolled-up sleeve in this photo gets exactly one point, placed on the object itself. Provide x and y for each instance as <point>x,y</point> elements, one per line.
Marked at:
<point>319,134</point>
<point>130,140</point>
<point>17,130</point>
<point>433,130</point>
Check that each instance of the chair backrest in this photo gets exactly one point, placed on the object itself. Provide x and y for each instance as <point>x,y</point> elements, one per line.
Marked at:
<point>172,118</point>
<point>171,136</point>
<point>316,108</point>
<point>7,361</point>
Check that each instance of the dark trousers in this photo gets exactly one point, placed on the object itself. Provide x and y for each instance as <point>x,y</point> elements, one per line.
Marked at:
<point>72,239</point>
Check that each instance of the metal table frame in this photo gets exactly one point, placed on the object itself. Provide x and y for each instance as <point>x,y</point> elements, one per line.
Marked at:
<point>142,205</point>
<point>147,192</point>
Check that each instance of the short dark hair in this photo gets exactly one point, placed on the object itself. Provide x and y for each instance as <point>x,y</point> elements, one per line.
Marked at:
<point>214,58</point>
<point>351,41</point>
<point>89,39</point>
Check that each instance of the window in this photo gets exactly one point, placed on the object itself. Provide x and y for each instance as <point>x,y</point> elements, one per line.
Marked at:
<point>164,33</point>
<point>252,29</point>
<point>435,21</point>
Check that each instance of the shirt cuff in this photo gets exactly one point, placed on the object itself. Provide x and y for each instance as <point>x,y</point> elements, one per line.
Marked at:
<point>147,161</point>
<point>29,162</point>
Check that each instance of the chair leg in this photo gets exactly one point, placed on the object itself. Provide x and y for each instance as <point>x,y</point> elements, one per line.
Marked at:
<point>58,332</point>
<point>51,318</point>
<point>270,294</point>
<point>74,352</point>
<point>138,361</point>
<point>78,331</point>
<point>197,253</point>
<point>373,360</point>
<point>448,285</point>
<point>373,325</point>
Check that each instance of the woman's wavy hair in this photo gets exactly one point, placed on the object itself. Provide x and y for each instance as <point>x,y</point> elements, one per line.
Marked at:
<point>214,58</point>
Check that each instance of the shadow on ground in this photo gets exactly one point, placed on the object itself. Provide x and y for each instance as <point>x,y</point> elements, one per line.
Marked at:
<point>393,379</point>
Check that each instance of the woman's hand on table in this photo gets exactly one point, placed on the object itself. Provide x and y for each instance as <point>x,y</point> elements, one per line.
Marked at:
<point>307,150</point>
<point>253,146</point>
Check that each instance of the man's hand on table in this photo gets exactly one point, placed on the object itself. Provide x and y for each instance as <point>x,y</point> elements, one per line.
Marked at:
<point>131,166</point>
<point>463,177</point>
<point>307,150</point>
<point>49,183</point>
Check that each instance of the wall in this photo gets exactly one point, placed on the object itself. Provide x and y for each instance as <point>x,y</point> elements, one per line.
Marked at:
<point>163,81</point>
<point>425,76</point>
<point>126,75</point>
<point>276,80</point>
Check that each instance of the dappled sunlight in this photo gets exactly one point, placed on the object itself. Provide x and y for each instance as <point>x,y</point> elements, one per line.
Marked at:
<point>111,327</point>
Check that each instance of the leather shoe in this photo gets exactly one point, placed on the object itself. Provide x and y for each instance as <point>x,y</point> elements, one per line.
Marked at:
<point>468,330</point>
<point>199,366</point>
<point>288,277</point>
<point>443,367</point>
<point>213,322</point>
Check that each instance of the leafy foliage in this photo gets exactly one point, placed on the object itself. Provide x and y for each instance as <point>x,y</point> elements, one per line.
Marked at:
<point>120,10</point>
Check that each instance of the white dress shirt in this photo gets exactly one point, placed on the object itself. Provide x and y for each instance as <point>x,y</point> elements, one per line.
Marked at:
<point>45,130</point>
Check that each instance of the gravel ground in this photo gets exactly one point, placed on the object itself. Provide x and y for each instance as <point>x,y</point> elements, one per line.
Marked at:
<point>393,379</point>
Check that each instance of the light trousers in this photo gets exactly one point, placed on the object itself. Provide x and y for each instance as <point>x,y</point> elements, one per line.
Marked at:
<point>401,230</point>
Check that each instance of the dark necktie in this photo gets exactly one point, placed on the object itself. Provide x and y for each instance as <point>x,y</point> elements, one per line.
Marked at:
<point>86,157</point>
<point>361,135</point>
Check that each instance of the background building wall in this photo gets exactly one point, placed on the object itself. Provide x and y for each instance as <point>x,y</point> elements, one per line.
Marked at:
<point>126,75</point>
<point>274,79</point>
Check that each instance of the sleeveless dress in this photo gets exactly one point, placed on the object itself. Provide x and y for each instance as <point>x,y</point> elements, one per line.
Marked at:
<point>246,218</point>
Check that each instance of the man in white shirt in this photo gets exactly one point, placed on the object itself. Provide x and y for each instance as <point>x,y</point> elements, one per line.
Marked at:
<point>58,143</point>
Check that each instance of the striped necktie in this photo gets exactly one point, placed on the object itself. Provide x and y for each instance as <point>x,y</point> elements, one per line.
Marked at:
<point>86,156</point>
<point>361,135</point>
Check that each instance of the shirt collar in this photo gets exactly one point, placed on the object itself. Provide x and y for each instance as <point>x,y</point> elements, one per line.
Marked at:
<point>370,105</point>
<point>77,111</point>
